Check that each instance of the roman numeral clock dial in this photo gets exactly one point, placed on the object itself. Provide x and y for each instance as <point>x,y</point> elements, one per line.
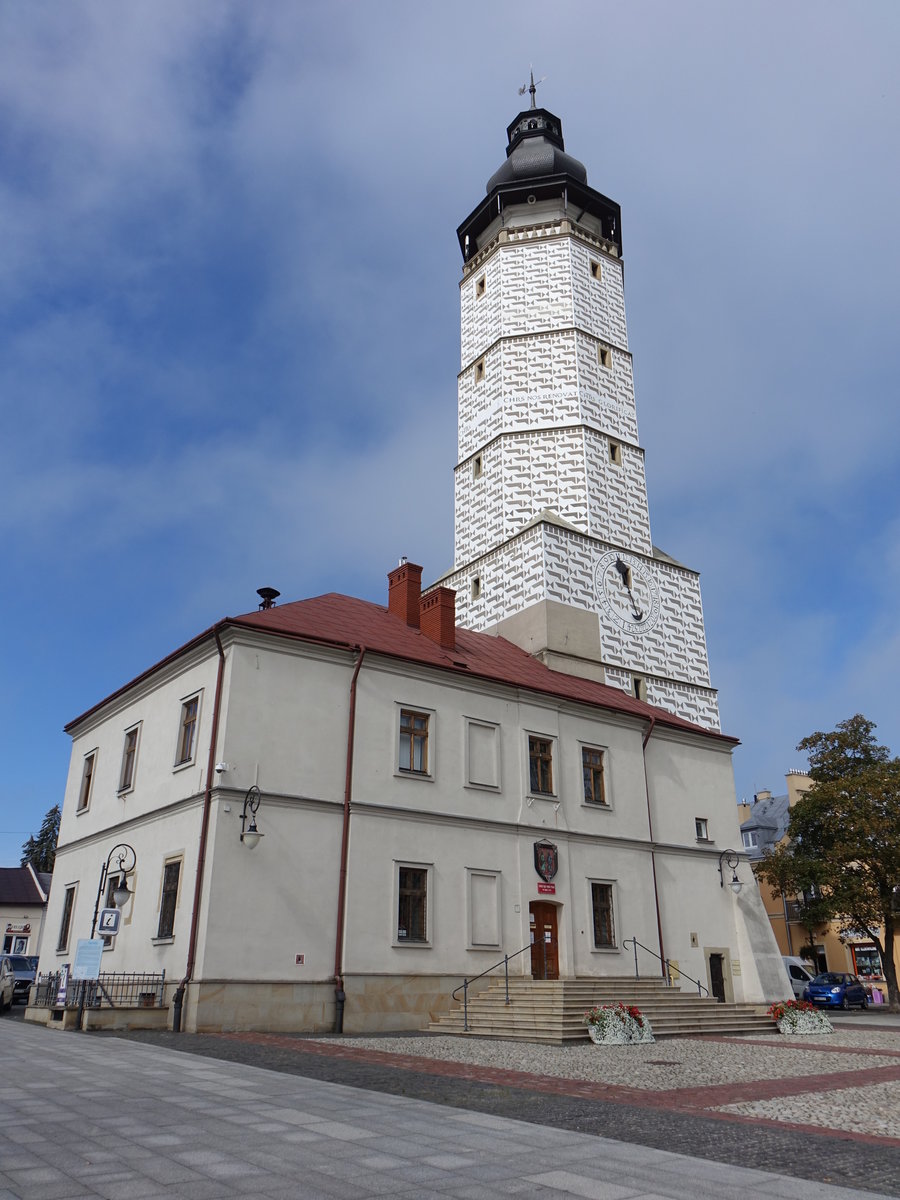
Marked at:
<point>627,591</point>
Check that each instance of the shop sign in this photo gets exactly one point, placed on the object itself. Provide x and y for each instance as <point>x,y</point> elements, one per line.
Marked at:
<point>546,889</point>
<point>17,927</point>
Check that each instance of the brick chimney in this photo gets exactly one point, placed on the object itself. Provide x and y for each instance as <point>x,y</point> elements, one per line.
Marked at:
<point>438,610</point>
<point>404,592</point>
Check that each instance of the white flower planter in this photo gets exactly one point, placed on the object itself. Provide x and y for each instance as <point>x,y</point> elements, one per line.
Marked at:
<point>621,1033</point>
<point>799,1024</point>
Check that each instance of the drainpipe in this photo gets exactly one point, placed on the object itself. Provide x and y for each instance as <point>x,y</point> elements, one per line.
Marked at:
<point>659,932</point>
<point>787,924</point>
<point>178,998</point>
<point>339,993</point>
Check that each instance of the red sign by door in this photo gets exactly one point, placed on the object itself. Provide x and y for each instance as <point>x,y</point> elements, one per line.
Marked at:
<point>546,889</point>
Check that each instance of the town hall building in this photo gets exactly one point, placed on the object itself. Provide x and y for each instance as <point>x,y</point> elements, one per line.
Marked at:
<point>334,810</point>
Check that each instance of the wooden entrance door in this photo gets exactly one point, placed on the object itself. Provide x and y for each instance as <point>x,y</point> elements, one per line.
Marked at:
<point>717,976</point>
<point>544,941</point>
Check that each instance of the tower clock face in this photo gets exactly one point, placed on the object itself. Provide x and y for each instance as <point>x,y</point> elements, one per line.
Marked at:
<point>627,591</point>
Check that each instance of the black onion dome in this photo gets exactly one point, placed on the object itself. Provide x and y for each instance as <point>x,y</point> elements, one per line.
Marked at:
<point>535,149</point>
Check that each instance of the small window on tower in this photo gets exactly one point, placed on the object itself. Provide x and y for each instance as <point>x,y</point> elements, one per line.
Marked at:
<point>701,824</point>
<point>615,453</point>
<point>604,356</point>
<point>596,270</point>
<point>479,371</point>
<point>640,687</point>
<point>480,286</point>
<point>477,466</point>
<point>476,587</point>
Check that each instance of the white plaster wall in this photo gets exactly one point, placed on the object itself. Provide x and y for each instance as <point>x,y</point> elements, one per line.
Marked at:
<point>284,721</point>
<point>156,706</point>
<point>155,838</point>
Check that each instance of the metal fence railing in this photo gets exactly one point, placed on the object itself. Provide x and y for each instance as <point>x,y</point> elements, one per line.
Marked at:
<point>113,989</point>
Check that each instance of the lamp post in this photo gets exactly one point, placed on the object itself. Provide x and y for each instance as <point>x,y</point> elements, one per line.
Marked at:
<point>126,861</point>
<point>250,836</point>
<point>730,860</point>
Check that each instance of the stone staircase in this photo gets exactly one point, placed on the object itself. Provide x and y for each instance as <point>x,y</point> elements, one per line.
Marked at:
<point>553,1010</point>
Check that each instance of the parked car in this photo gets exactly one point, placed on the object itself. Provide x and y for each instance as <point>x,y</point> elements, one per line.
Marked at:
<point>835,989</point>
<point>7,985</point>
<point>24,968</point>
<point>798,974</point>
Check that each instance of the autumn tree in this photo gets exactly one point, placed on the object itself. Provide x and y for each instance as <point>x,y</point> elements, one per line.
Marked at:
<point>843,848</point>
<point>40,851</point>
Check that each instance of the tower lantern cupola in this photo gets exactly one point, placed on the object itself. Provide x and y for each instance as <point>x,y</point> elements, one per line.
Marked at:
<point>552,535</point>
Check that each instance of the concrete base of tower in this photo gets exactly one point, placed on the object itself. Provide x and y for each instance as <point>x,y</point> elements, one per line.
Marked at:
<point>563,637</point>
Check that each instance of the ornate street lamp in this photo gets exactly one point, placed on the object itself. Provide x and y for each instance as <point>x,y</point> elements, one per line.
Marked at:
<point>250,836</point>
<point>126,861</point>
<point>731,860</point>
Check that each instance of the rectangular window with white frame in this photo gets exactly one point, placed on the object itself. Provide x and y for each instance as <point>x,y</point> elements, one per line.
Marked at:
<point>593,773</point>
<point>187,731</point>
<point>540,765</point>
<point>168,900</point>
<point>414,752</point>
<point>65,923</point>
<point>412,904</point>
<point>87,781</point>
<point>129,759</point>
<point>701,826</point>
<point>602,915</point>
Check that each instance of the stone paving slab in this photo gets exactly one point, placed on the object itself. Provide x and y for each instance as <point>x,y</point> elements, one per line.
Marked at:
<point>356,1144</point>
<point>870,1164</point>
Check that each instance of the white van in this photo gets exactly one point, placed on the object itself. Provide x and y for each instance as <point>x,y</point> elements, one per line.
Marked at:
<point>798,974</point>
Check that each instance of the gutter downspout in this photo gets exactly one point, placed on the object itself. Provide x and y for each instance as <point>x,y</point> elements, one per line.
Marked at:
<point>659,932</point>
<point>178,998</point>
<point>339,993</point>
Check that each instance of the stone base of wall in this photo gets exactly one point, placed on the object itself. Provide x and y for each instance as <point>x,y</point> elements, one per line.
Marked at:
<point>373,1004</point>
<point>100,1018</point>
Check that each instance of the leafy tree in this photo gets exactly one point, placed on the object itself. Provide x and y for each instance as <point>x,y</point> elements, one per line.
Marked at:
<point>843,852</point>
<point>40,851</point>
<point>845,751</point>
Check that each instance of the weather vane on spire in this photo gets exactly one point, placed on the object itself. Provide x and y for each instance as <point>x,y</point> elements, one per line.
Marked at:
<point>532,87</point>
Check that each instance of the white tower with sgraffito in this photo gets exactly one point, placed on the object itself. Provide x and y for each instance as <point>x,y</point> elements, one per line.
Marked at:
<point>552,543</point>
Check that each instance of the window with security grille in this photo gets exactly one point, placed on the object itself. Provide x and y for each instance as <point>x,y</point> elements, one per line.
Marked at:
<point>602,911</point>
<point>169,898</point>
<point>413,741</point>
<point>62,942</point>
<point>412,897</point>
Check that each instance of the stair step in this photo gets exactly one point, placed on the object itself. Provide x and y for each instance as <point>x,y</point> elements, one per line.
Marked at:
<point>552,1011</point>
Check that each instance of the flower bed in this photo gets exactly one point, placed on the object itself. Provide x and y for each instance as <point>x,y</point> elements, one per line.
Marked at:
<point>799,1017</point>
<point>617,1025</point>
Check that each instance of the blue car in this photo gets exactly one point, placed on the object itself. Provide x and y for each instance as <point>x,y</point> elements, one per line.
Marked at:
<point>836,989</point>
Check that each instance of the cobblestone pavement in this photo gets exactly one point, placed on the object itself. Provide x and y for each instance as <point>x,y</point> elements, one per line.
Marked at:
<point>815,1109</point>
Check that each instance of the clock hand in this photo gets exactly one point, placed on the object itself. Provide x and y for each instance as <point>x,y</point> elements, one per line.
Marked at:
<point>623,571</point>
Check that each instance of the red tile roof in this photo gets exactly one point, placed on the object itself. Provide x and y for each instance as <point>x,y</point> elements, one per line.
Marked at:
<point>345,621</point>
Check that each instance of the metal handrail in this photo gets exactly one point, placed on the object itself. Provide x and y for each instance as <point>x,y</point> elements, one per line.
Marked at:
<point>464,986</point>
<point>665,962</point>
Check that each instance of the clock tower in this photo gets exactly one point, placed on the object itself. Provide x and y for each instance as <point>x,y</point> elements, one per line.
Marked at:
<point>552,528</point>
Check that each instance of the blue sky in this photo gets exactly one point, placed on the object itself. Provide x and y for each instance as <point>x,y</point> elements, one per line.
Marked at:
<point>229,331</point>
